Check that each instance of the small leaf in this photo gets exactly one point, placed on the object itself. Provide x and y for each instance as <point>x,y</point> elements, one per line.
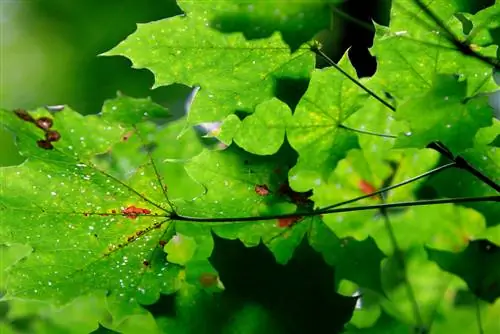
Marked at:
<point>180,249</point>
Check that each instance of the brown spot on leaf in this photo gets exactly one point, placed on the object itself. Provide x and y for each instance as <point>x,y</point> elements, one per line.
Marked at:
<point>44,123</point>
<point>45,144</point>
<point>24,115</point>
<point>287,222</point>
<point>127,135</point>
<point>52,135</point>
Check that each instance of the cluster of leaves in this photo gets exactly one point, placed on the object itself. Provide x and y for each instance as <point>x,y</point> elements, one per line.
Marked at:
<point>126,209</point>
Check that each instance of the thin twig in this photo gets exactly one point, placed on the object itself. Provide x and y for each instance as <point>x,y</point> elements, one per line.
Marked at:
<point>367,132</point>
<point>478,316</point>
<point>398,253</point>
<point>397,185</point>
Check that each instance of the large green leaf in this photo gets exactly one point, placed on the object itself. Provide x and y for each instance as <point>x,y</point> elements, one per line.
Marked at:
<point>316,131</point>
<point>186,49</point>
<point>73,215</point>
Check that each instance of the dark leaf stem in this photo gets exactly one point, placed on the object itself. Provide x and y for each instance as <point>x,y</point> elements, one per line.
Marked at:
<point>179,217</point>
<point>367,132</point>
<point>318,51</point>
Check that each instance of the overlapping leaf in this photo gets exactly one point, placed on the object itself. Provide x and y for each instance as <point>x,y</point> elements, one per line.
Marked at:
<point>315,130</point>
<point>298,21</point>
<point>444,114</point>
<point>186,49</point>
<point>414,48</point>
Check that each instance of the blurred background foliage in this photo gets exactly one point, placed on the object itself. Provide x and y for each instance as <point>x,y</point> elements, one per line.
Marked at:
<point>49,56</point>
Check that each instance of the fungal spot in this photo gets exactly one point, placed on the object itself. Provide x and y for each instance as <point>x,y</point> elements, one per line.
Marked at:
<point>132,212</point>
<point>45,144</point>
<point>24,115</point>
<point>261,190</point>
<point>52,135</point>
<point>146,263</point>
<point>162,243</point>
<point>127,135</point>
<point>44,123</point>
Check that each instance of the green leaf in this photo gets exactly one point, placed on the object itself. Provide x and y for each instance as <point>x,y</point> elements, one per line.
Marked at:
<point>185,49</point>
<point>477,265</point>
<point>316,131</point>
<point>356,261</point>
<point>132,110</point>
<point>444,114</point>
<point>413,49</point>
<point>485,26</point>
<point>456,182</point>
<point>180,249</point>
<point>73,220</point>
<point>298,22</point>
<point>262,132</point>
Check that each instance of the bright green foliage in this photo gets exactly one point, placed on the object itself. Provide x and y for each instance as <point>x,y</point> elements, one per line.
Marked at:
<point>263,131</point>
<point>128,209</point>
<point>187,50</point>
<point>413,49</point>
<point>486,26</point>
<point>446,116</point>
<point>315,130</point>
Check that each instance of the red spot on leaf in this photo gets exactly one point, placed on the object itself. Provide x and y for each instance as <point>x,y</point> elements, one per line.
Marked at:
<point>261,190</point>
<point>44,123</point>
<point>286,222</point>
<point>367,188</point>
<point>132,212</point>
<point>146,263</point>
<point>208,280</point>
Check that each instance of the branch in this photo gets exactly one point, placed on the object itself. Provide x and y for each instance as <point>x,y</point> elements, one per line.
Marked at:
<point>178,217</point>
